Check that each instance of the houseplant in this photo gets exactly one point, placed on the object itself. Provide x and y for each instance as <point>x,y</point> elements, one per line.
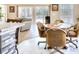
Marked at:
<point>1,15</point>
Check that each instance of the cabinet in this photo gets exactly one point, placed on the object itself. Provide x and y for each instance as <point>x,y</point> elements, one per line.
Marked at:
<point>8,41</point>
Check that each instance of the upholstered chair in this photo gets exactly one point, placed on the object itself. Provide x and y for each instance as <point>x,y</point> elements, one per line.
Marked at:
<point>41,30</point>
<point>56,38</point>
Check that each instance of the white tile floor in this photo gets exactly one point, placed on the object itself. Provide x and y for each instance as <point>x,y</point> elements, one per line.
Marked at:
<point>30,46</point>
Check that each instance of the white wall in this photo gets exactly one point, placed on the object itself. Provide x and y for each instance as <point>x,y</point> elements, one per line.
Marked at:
<point>76,12</point>
<point>54,15</point>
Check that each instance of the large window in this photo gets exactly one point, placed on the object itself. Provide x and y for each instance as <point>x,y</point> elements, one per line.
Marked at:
<point>66,12</point>
<point>37,13</point>
<point>41,12</point>
<point>24,12</point>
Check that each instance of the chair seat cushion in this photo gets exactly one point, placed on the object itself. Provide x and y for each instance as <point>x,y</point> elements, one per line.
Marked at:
<point>72,33</point>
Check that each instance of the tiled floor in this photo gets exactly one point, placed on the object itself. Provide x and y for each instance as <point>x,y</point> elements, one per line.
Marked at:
<point>30,46</point>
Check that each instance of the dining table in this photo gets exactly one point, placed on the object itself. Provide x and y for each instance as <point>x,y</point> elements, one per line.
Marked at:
<point>63,26</point>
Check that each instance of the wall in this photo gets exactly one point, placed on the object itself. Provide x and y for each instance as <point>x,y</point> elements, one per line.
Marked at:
<point>76,12</point>
<point>54,15</point>
<point>12,15</point>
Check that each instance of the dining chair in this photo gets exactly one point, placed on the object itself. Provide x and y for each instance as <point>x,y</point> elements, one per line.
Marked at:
<point>41,30</point>
<point>73,33</point>
<point>56,38</point>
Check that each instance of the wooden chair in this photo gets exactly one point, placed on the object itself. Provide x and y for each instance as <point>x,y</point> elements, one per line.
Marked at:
<point>56,38</point>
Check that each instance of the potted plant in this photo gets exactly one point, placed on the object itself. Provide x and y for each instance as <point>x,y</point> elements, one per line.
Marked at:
<point>1,15</point>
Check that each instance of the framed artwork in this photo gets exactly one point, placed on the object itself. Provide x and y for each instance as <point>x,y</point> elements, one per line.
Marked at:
<point>11,9</point>
<point>55,7</point>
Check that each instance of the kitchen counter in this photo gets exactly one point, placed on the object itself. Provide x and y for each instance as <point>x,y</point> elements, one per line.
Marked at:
<point>7,26</point>
<point>8,37</point>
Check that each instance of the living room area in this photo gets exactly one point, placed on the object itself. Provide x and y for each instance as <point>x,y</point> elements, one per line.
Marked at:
<point>26,16</point>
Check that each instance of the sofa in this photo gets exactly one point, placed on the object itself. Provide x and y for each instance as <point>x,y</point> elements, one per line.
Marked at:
<point>27,22</point>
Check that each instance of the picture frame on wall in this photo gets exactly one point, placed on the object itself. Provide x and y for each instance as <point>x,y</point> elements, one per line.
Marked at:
<point>55,7</point>
<point>11,9</point>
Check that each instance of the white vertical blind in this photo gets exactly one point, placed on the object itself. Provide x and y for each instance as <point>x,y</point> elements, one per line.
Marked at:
<point>24,12</point>
<point>41,12</point>
<point>66,12</point>
<point>28,12</point>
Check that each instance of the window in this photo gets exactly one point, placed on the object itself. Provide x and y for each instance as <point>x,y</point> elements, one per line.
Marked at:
<point>41,12</point>
<point>24,12</point>
<point>66,12</point>
<point>37,13</point>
